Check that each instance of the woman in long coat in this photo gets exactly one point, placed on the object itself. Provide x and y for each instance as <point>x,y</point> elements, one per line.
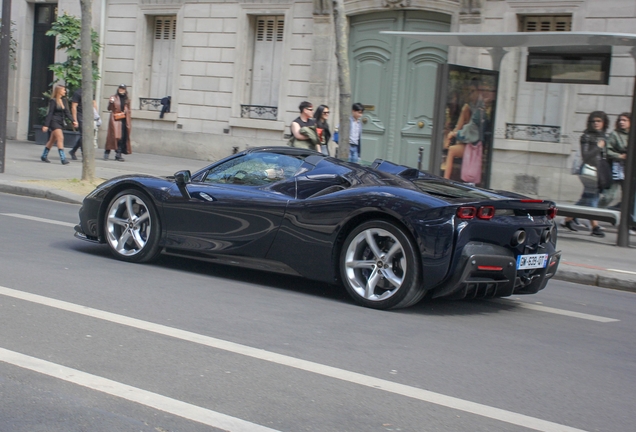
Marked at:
<point>118,136</point>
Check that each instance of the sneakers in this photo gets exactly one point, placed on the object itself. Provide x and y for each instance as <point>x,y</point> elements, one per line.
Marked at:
<point>106,156</point>
<point>569,224</point>
<point>119,158</point>
<point>597,231</point>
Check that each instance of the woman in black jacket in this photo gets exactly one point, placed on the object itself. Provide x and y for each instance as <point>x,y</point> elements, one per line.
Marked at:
<point>58,109</point>
<point>594,154</point>
<point>321,115</point>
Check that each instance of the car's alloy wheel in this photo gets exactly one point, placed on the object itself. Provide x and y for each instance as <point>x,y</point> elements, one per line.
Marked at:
<point>379,267</point>
<point>131,226</point>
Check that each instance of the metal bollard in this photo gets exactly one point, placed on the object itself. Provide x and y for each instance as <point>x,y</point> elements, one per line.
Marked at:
<point>419,158</point>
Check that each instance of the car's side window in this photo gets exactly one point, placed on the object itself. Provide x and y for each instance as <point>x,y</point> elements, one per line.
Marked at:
<point>255,169</point>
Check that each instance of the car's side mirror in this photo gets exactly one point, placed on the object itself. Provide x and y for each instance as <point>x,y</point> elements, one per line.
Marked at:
<point>182,178</point>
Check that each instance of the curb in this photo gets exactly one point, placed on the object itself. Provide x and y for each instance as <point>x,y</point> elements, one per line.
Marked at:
<point>53,195</point>
<point>596,280</point>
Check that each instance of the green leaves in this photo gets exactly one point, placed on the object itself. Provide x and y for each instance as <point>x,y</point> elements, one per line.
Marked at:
<point>67,28</point>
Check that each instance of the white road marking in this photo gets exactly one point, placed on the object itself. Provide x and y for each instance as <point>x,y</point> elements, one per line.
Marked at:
<point>304,365</point>
<point>37,219</point>
<point>622,271</point>
<point>551,310</point>
<point>143,397</point>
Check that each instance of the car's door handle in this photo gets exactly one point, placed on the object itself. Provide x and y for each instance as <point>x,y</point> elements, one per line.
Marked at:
<point>206,196</point>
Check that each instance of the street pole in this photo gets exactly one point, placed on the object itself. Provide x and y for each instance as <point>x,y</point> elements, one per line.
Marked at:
<point>627,197</point>
<point>5,42</point>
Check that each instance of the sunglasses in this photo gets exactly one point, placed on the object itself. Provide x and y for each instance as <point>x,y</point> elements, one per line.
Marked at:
<point>325,112</point>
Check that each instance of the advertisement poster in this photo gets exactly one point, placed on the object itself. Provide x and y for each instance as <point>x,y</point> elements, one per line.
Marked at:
<point>469,124</point>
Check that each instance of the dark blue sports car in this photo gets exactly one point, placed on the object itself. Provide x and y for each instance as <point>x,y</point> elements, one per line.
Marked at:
<point>390,234</point>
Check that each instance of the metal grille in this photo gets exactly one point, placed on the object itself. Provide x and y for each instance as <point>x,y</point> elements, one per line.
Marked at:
<point>531,132</point>
<point>259,112</point>
<point>150,104</point>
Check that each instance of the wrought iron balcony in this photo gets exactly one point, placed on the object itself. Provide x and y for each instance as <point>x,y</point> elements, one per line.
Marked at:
<point>150,104</point>
<point>259,112</point>
<point>531,132</point>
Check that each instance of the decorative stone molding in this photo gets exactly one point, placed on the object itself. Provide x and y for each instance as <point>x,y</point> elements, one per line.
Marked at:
<point>161,2</point>
<point>470,11</point>
<point>322,7</point>
<point>394,4</point>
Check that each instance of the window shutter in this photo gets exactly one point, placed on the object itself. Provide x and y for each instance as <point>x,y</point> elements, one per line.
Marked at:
<point>534,23</point>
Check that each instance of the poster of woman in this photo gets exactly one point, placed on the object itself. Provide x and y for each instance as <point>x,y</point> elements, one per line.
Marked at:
<point>468,124</point>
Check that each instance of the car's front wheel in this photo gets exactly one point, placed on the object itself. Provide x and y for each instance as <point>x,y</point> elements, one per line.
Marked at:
<point>379,266</point>
<point>132,227</point>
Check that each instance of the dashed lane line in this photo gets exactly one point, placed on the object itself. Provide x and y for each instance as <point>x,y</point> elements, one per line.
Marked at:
<point>143,397</point>
<point>556,311</point>
<point>38,219</point>
<point>304,365</point>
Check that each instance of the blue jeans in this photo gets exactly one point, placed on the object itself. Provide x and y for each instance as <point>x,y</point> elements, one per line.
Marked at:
<point>354,153</point>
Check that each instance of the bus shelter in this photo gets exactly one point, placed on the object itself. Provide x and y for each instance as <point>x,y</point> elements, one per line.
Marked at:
<point>499,44</point>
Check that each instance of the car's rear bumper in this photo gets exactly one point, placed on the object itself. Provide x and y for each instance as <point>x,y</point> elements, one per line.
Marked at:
<point>491,271</point>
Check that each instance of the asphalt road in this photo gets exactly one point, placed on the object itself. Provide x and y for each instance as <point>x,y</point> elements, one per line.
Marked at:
<point>91,343</point>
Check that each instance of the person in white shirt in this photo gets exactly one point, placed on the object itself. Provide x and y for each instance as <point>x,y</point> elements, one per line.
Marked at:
<point>355,132</point>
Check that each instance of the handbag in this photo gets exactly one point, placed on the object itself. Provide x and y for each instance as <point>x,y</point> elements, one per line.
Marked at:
<point>119,116</point>
<point>618,171</point>
<point>472,162</point>
<point>604,174</point>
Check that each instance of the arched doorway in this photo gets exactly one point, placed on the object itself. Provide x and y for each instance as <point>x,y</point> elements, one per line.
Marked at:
<point>395,78</point>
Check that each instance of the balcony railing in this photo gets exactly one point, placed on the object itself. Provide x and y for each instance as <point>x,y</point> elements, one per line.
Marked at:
<point>531,132</point>
<point>150,104</point>
<point>259,112</point>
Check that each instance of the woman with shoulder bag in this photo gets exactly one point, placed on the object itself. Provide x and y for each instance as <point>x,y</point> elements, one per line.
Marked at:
<point>119,125</point>
<point>594,155</point>
<point>58,109</point>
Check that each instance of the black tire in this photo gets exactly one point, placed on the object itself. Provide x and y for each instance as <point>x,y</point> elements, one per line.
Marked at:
<point>131,227</point>
<point>380,266</point>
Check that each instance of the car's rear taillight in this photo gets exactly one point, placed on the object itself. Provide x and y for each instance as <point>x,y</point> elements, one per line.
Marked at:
<point>552,212</point>
<point>466,212</point>
<point>486,212</point>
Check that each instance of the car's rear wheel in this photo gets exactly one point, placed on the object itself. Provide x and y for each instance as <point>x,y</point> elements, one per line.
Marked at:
<point>379,266</point>
<point>132,227</point>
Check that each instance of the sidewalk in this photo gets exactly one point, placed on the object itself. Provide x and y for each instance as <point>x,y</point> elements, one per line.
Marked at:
<point>586,259</point>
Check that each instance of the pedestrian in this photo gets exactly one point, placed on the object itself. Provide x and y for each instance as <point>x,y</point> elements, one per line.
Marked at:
<point>594,155</point>
<point>58,110</point>
<point>617,154</point>
<point>355,132</point>
<point>76,111</point>
<point>119,124</point>
<point>322,126</point>
<point>305,119</point>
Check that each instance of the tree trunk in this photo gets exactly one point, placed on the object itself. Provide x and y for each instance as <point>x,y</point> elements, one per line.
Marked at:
<point>344,77</point>
<point>88,120</point>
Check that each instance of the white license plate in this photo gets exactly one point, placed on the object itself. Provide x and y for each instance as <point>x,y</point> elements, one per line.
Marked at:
<point>535,261</point>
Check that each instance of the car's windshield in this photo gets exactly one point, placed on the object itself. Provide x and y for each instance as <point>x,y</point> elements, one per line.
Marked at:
<point>255,169</point>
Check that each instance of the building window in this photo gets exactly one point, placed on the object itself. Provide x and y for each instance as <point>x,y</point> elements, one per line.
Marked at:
<point>266,68</point>
<point>545,23</point>
<point>164,35</point>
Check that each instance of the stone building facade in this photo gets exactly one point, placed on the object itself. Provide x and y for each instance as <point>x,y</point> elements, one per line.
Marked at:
<point>236,71</point>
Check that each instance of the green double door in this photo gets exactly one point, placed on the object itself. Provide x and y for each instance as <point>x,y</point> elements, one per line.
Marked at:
<point>395,78</point>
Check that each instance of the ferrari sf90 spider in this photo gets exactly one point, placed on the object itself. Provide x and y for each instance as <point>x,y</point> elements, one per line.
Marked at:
<point>389,234</point>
